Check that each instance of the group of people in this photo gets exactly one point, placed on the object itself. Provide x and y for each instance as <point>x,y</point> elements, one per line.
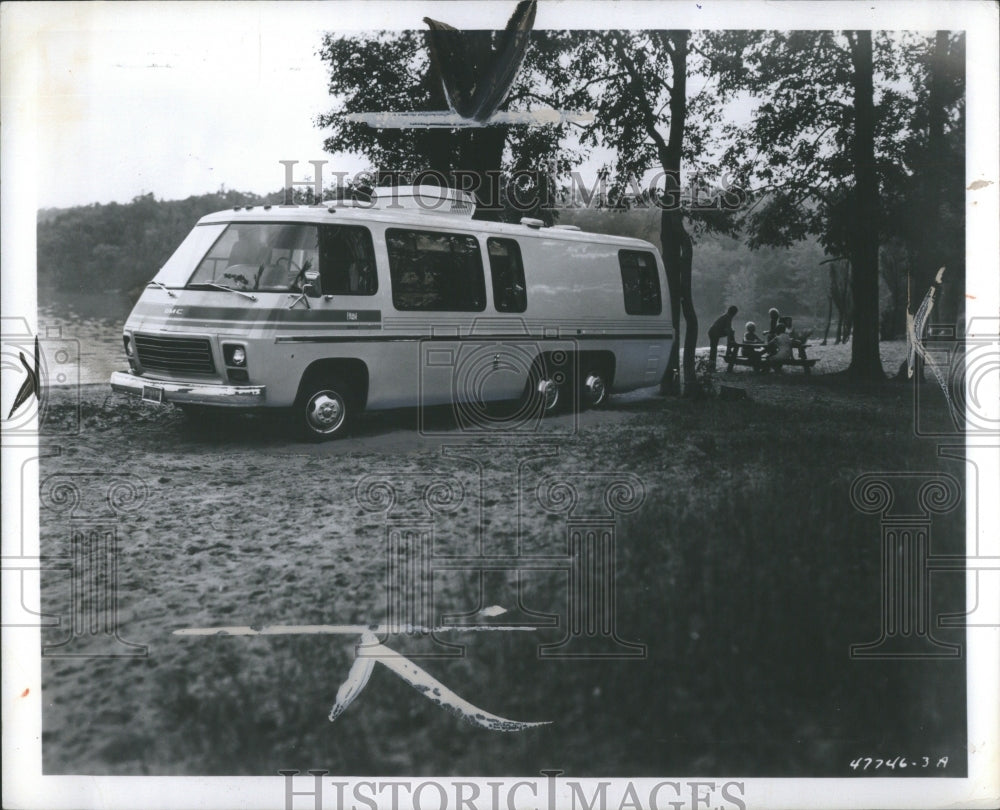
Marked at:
<point>769,351</point>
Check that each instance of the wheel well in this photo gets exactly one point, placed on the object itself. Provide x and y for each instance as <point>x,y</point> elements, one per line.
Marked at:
<point>604,360</point>
<point>351,371</point>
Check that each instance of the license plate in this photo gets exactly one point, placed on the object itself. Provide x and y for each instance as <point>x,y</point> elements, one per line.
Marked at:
<point>151,393</point>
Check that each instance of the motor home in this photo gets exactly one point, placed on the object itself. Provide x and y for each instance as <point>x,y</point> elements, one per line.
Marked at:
<point>403,300</point>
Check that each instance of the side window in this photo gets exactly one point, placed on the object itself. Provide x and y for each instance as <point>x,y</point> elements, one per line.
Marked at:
<point>435,271</point>
<point>346,261</point>
<point>640,282</point>
<point>507,270</point>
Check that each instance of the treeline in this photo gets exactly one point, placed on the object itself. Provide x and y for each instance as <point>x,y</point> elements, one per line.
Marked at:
<point>119,247</point>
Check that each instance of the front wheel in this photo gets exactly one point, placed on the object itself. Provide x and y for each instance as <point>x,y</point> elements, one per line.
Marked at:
<point>325,411</point>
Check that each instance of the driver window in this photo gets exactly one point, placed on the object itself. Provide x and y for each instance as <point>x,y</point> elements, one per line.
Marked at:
<point>347,261</point>
<point>262,257</point>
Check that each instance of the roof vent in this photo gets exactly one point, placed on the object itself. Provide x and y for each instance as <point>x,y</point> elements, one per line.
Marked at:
<point>423,199</point>
<point>532,223</point>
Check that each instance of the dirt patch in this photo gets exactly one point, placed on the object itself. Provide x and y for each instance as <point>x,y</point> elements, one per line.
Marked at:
<point>234,522</point>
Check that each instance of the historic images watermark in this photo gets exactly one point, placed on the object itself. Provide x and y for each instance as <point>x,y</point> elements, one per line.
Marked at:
<point>312,791</point>
<point>36,362</point>
<point>91,508</point>
<point>551,188</point>
<point>32,364</point>
<point>589,505</point>
<point>906,504</point>
<point>961,370</point>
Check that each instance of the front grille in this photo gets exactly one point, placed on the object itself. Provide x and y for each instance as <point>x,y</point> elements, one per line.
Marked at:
<point>175,354</point>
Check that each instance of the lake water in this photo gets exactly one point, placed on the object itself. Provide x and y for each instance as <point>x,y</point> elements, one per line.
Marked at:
<point>88,329</point>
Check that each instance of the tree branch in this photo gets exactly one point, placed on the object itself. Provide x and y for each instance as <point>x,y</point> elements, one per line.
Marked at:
<point>645,110</point>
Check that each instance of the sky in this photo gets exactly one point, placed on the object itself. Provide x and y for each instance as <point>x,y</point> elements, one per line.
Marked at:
<point>182,98</point>
<point>185,98</point>
<point>176,104</point>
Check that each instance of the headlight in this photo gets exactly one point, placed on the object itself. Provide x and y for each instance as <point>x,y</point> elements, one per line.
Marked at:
<point>235,355</point>
<point>128,345</point>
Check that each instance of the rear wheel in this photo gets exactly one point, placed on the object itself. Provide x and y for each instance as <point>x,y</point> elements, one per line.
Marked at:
<point>325,410</point>
<point>594,388</point>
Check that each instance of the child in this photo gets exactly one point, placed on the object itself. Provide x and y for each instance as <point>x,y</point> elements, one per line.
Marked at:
<point>751,342</point>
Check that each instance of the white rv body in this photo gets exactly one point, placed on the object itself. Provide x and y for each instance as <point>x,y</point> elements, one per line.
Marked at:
<point>399,316</point>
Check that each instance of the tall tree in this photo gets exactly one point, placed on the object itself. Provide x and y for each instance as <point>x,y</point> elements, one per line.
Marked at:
<point>392,71</point>
<point>926,199</point>
<point>863,236</point>
<point>636,84</point>
<point>821,141</point>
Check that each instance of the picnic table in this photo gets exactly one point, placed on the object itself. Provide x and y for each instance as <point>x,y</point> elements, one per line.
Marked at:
<point>735,356</point>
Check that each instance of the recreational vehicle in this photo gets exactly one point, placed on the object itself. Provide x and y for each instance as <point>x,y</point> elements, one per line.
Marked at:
<point>401,301</point>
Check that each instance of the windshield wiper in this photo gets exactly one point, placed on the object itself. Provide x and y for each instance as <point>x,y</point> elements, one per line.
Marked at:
<point>156,283</point>
<point>221,287</point>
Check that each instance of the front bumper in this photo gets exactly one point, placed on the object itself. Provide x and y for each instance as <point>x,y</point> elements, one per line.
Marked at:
<point>231,396</point>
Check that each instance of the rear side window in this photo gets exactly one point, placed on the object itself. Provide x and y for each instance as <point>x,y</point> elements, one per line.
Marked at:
<point>507,271</point>
<point>346,261</point>
<point>433,271</point>
<point>640,282</point>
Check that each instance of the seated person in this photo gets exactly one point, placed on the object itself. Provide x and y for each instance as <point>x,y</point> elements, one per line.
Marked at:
<point>247,249</point>
<point>798,339</point>
<point>772,328</point>
<point>781,348</point>
<point>751,337</point>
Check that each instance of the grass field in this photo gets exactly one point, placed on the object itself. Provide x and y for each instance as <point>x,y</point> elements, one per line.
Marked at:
<point>746,572</point>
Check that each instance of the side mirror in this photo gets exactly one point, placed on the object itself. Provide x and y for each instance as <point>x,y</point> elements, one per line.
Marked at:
<point>311,286</point>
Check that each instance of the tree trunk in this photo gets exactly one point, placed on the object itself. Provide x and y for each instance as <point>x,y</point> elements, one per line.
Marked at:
<point>670,383</point>
<point>929,254</point>
<point>481,152</point>
<point>674,239</point>
<point>863,238</point>
<point>687,305</point>
<point>829,316</point>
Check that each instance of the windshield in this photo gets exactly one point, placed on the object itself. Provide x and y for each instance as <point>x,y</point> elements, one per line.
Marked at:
<point>178,267</point>
<point>255,256</point>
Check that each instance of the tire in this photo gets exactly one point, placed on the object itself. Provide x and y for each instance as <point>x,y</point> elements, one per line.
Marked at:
<point>550,395</point>
<point>325,410</point>
<point>542,396</point>
<point>594,390</point>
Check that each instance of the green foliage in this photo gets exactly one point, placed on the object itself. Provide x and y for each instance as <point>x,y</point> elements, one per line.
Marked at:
<point>120,247</point>
<point>391,71</point>
<point>854,138</point>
